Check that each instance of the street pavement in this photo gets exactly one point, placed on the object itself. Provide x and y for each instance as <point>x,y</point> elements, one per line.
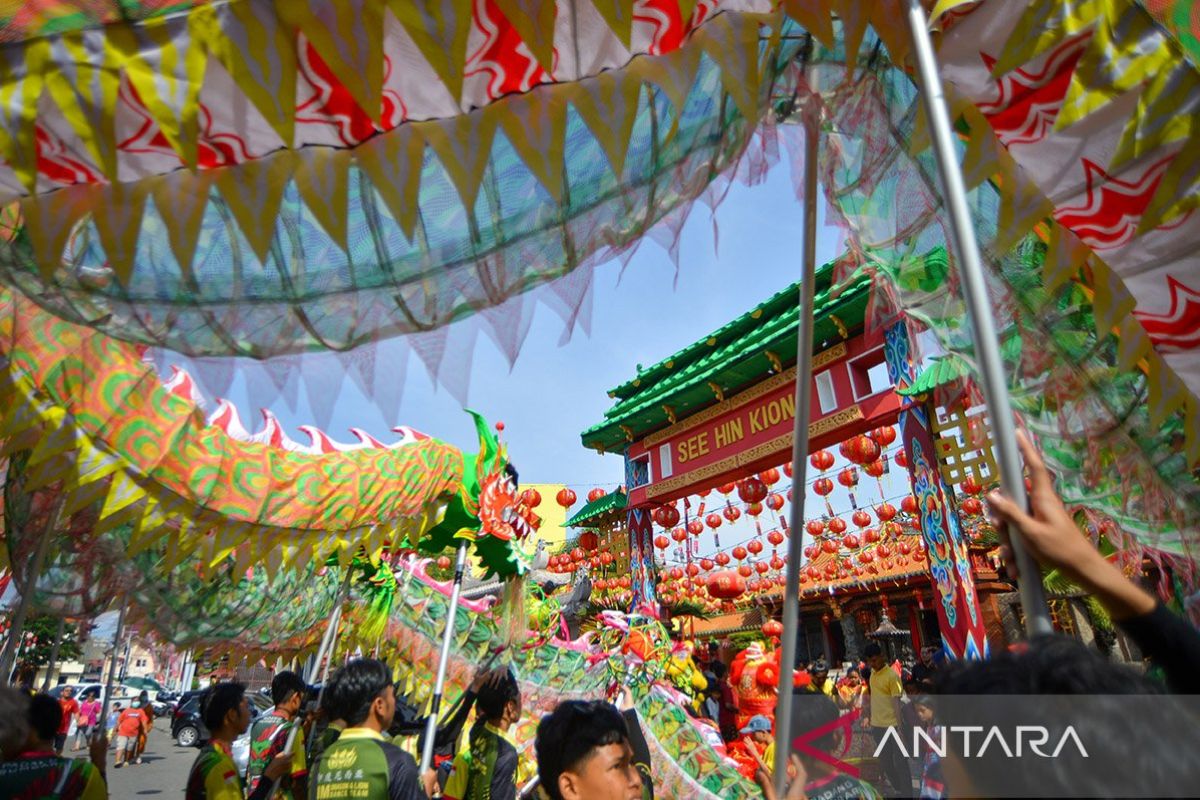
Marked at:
<point>162,774</point>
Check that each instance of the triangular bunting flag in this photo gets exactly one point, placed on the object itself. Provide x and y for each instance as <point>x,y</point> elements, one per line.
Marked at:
<point>49,220</point>
<point>816,18</point>
<point>534,22</point>
<point>253,191</point>
<point>118,216</point>
<point>854,15</point>
<point>673,73</point>
<point>440,32</point>
<point>165,66</point>
<point>732,42</point>
<point>259,52</point>
<point>535,123</point>
<point>22,67</point>
<point>322,177</point>
<point>181,199</point>
<point>1065,254</point>
<point>619,16</point>
<point>609,104</point>
<point>463,144</point>
<point>348,36</point>
<point>393,161</point>
<point>84,86</point>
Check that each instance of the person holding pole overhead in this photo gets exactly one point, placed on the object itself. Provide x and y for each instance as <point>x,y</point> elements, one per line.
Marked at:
<point>362,763</point>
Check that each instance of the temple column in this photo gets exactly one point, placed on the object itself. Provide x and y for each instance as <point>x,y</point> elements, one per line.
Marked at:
<point>641,557</point>
<point>959,616</point>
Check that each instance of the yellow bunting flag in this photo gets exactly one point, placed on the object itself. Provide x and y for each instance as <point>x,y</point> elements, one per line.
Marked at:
<point>258,50</point>
<point>608,104</point>
<point>348,36</point>
<point>322,177</point>
<point>464,146</point>
<point>393,161</point>
<point>253,191</point>
<point>619,16</point>
<point>534,22</point>
<point>439,31</point>
<point>536,123</point>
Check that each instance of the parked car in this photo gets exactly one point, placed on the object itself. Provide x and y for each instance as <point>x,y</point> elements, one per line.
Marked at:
<point>121,694</point>
<point>188,729</point>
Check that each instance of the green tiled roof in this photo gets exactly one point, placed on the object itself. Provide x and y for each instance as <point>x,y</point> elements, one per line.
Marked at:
<point>733,357</point>
<point>941,371</point>
<point>613,501</point>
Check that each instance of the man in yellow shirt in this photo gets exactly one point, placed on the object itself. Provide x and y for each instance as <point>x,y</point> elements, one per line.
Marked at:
<point>821,681</point>
<point>884,700</point>
<point>214,776</point>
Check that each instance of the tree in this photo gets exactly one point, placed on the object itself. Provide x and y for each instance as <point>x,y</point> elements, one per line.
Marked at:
<point>40,632</point>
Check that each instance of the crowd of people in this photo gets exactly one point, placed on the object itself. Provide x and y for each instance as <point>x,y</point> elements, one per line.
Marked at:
<point>361,739</point>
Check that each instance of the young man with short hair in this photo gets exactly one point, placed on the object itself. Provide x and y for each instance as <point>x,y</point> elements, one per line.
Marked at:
<point>584,752</point>
<point>214,776</point>
<point>37,771</point>
<point>884,702</point>
<point>361,763</point>
<point>269,734</point>
<point>487,768</point>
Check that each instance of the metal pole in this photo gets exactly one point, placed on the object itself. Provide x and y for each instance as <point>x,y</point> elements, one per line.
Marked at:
<point>17,628</point>
<point>58,637</point>
<point>101,729</point>
<point>979,310</point>
<point>325,649</point>
<point>440,684</point>
<point>804,348</point>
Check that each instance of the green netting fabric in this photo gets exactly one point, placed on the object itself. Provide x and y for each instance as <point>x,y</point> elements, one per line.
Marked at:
<point>1071,381</point>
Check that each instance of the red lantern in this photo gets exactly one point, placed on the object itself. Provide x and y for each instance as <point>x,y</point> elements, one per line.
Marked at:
<point>905,548</point>
<point>595,494</point>
<point>625,582</point>
<point>755,546</point>
<point>815,527</point>
<point>850,541</point>
<point>823,486</point>
<point>745,570</point>
<point>606,559</point>
<point>754,509</point>
<point>883,551</point>
<point>874,469</point>
<point>822,460</point>
<point>862,450</point>
<point>726,488</point>
<point>732,514</point>
<point>787,468</point>
<point>706,564</point>
<point>752,490</point>
<point>693,570</point>
<point>901,457</point>
<point>774,501</point>
<point>890,528</point>
<point>870,536</point>
<point>740,553</point>
<point>679,534</point>
<point>753,585</point>
<point>810,551</point>
<point>865,557</point>
<point>666,516</point>
<point>588,540</point>
<point>848,477</point>
<point>565,498</point>
<point>676,573</point>
<point>662,542</point>
<point>971,486</point>
<point>600,584</point>
<point>722,559</point>
<point>829,546</point>
<point>775,538</point>
<point>577,554</point>
<point>443,562</point>
<point>885,511</point>
<point>769,476</point>
<point>909,505</point>
<point>777,563</point>
<point>972,506</point>
<point>713,521</point>
<point>837,525</point>
<point>761,567</point>
<point>885,435</point>
<point>695,527</point>
<point>861,518</point>
<point>531,498</point>
<point>772,629</point>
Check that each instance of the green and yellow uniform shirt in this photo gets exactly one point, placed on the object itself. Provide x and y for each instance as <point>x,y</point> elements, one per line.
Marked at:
<point>488,768</point>
<point>268,737</point>
<point>38,775</point>
<point>214,775</point>
<point>362,764</point>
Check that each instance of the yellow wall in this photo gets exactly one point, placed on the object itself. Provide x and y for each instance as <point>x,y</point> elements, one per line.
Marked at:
<point>554,517</point>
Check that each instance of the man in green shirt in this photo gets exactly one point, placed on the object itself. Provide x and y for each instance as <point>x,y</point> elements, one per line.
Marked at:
<point>37,772</point>
<point>269,735</point>
<point>362,764</point>
<point>487,768</point>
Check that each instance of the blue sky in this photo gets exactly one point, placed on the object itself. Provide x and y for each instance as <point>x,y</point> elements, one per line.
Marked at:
<point>640,315</point>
